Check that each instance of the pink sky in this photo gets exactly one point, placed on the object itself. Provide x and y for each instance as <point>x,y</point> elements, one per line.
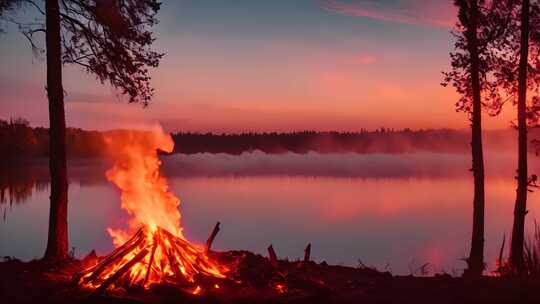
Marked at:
<point>280,66</point>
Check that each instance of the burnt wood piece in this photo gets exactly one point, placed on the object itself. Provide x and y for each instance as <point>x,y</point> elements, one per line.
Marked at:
<point>211,238</point>
<point>307,253</point>
<point>272,256</point>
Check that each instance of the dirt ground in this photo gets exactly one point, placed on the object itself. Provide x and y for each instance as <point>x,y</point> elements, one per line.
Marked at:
<point>255,280</point>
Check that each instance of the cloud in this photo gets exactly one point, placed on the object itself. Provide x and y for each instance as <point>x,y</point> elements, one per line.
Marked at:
<point>440,13</point>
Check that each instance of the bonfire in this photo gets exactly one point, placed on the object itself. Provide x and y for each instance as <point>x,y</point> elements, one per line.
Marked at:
<point>153,249</point>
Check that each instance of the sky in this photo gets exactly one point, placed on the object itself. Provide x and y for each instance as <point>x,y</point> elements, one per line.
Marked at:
<point>260,65</point>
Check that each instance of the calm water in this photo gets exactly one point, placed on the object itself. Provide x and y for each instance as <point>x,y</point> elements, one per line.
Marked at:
<point>395,212</point>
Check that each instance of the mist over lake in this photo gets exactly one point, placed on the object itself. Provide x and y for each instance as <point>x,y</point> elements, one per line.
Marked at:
<point>391,211</point>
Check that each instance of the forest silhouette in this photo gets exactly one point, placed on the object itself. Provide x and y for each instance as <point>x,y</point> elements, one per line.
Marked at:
<point>19,140</point>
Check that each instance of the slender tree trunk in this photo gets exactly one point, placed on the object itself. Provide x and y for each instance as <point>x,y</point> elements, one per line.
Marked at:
<point>520,208</point>
<point>57,243</point>
<point>476,256</point>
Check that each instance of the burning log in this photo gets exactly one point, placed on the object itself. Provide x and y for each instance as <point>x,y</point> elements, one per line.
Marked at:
<point>272,257</point>
<point>307,253</point>
<point>114,256</point>
<point>141,255</point>
<point>211,238</point>
<point>151,261</point>
<point>151,257</point>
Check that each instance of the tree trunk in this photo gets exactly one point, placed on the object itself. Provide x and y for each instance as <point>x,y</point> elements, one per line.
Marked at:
<point>520,208</point>
<point>57,243</point>
<point>476,256</point>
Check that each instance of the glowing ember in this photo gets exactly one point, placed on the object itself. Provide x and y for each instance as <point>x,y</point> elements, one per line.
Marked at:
<point>280,288</point>
<point>157,252</point>
<point>197,290</point>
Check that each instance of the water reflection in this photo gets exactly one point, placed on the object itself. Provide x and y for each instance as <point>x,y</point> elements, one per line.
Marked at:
<point>403,212</point>
<point>20,180</point>
<point>17,184</point>
<point>402,223</point>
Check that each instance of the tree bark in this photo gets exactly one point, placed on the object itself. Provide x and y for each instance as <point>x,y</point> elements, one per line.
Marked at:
<point>57,243</point>
<point>476,256</point>
<point>520,208</point>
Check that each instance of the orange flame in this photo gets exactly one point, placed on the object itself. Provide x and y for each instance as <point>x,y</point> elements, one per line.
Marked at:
<point>157,251</point>
<point>145,194</point>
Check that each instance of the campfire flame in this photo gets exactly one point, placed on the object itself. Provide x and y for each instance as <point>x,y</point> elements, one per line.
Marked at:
<point>157,252</point>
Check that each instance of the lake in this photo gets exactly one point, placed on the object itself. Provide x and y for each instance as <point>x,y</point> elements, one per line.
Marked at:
<point>393,212</point>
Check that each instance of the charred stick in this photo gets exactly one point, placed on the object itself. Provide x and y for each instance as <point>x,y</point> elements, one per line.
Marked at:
<point>501,252</point>
<point>211,238</point>
<point>307,253</point>
<point>272,256</point>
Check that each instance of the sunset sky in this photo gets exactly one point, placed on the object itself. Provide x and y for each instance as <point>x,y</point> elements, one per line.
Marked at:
<point>256,65</point>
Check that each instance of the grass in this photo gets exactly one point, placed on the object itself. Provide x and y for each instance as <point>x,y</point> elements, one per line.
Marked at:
<point>532,253</point>
<point>531,257</point>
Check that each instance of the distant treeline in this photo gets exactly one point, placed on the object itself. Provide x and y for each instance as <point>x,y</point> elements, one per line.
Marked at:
<point>18,139</point>
<point>379,141</point>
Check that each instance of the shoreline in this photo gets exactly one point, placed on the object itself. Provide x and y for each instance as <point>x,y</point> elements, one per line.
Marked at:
<point>255,280</point>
